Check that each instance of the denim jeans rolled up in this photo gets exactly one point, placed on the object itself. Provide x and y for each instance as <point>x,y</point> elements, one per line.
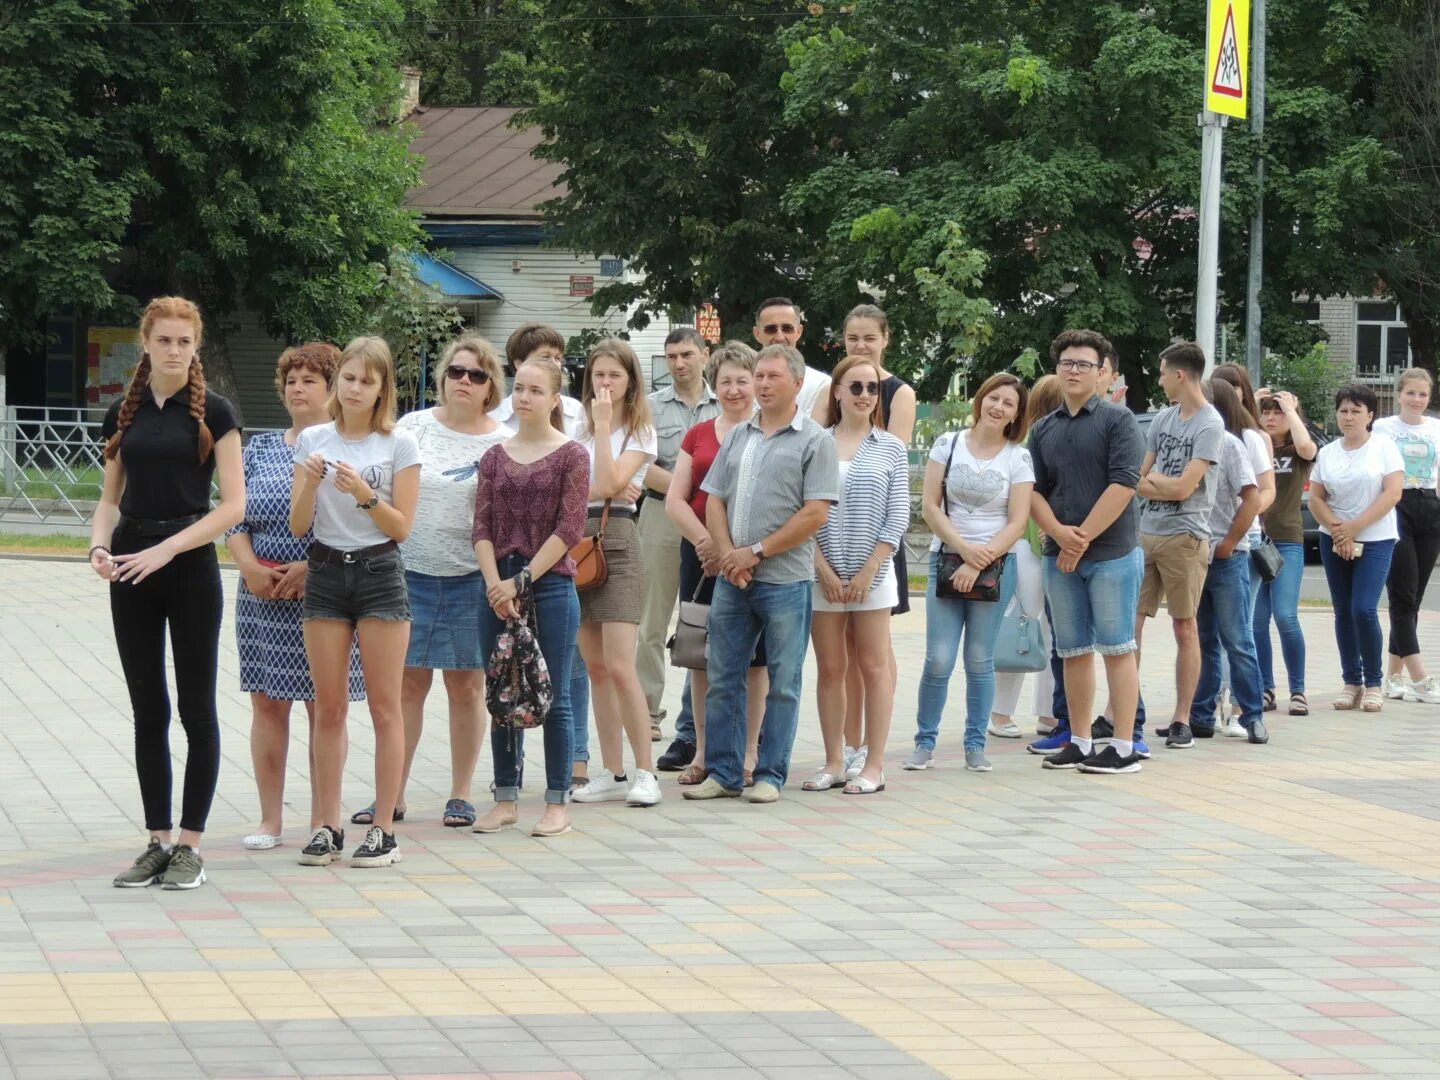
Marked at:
<point>946,622</point>
<point>1280,600</point>
<point>1355,586</point>
<point>739,618</point>
<point>557,620</point>
<point>1223,623</point>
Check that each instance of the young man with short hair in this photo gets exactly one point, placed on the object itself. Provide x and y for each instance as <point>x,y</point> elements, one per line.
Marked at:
<point>1182,443</point>
<point>779,321</point>
<point>530,341</point>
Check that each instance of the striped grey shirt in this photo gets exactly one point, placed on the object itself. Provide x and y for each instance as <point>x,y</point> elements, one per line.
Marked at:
<point>764,482</point>
<point>875,508</point>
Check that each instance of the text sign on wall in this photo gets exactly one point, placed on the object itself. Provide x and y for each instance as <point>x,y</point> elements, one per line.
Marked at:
<point>582,284</point>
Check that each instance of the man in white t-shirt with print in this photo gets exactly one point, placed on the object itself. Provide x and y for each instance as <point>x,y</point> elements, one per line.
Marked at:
<point>779,321</point>
<point>537,341</point>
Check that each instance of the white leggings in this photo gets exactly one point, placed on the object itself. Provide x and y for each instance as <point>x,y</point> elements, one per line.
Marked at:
<point>1030,598</point>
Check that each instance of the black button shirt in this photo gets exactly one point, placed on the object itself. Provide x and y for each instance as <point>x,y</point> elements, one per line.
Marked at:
<point>1076,458</point>
<point>164,477</point>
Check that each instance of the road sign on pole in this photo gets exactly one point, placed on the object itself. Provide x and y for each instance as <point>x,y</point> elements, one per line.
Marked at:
<point>1227,57</point>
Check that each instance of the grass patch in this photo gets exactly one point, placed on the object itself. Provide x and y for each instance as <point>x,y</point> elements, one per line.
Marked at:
<point>82,484</point>
<point>61,544</point>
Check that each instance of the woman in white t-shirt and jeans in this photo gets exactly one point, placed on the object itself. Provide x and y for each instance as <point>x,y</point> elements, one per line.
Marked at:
<point>442,576</point>
<point>357,480</point>
<point>984,477</point>
<point>618,432</point>
<point>1417,437</point>
<point>1354,488</point>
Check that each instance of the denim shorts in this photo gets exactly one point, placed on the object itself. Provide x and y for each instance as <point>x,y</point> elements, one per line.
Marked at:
<point>1093,608</point>
<point>370,588</point>
<point>445,631</point>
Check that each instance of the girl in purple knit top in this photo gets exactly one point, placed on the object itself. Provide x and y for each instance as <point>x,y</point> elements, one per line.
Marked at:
<point>529,513</point>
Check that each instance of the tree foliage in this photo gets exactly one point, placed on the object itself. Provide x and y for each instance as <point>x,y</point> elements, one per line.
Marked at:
<point>473,52</point>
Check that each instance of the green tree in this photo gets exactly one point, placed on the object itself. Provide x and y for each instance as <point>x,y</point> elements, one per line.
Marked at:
<point>472,52</point>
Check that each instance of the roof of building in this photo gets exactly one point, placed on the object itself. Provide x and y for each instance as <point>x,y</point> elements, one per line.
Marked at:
<point>476,165</point>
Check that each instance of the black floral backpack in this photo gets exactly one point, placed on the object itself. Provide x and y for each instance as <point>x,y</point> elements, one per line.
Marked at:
<point>517,682</point>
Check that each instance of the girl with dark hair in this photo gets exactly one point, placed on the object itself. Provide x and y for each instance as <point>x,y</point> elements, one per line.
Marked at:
<point>1354,488</point>
<point>153,539</point>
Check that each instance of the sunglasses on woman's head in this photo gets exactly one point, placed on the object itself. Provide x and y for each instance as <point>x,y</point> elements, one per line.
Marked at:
<point>858,388</point>
<point>478,376</point>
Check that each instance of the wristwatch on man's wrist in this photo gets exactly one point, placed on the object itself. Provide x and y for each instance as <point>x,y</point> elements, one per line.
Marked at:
<point>369,504</point>
<point>757,549</point>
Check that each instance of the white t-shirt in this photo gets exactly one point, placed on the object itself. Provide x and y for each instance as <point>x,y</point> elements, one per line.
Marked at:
<point>339,522</point>
<point>979,491</point>
<point>1262,461</point>
<point>1419,446</point>
<point>1353,479</point>
<point>505,413</point>
<point>811,390</point>
<point>621,442</point>
<point>1233,473</point>
<point>439,544</point>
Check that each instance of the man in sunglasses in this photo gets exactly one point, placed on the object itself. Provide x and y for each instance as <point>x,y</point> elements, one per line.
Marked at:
<point>779,321</point>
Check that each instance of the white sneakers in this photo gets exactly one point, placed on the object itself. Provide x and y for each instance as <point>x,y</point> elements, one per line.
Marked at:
<point>603,787</point>
<point>1233,729</point>
<point>1426,691</point>
<point>855,761</point>
<point>1395,687</point>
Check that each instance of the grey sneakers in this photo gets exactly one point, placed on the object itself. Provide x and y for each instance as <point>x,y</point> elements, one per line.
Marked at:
<point>146,869</point>
<point>919,759</point>
<point>186,869</point>
<point>976,761</point>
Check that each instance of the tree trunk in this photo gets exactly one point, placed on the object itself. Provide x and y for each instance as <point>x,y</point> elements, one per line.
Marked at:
<point>1424,337</point>
<point>219,372</point>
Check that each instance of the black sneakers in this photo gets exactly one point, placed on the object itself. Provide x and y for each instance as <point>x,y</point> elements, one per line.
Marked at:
<point>1067,757</point>
<point>377,849</point>
<point>1180,737</point>
<point>1102,730</point>
<point>324,847</point>
<point>680,754</point>
<point>1109,760</point>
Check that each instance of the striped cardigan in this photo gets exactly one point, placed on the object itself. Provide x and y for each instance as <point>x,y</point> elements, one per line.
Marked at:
<point>874,508</point>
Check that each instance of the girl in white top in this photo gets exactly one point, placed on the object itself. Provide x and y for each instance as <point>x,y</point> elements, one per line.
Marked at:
<point>1354,487</point>
<point>856,580</point>
<point>357,480</point>
<point>442,576</point>
<point>1417,437</point>
<point>621,438</point>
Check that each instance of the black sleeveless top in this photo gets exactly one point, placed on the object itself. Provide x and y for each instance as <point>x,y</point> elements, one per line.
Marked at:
<point>888,389</point>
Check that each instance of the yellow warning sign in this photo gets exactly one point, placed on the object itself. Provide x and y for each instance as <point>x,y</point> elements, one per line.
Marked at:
<point>1227,57</point>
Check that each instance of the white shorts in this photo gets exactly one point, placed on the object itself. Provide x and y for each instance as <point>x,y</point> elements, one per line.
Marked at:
<point>882,597</point>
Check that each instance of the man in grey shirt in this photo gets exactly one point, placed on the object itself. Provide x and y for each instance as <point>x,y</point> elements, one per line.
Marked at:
<point>1183,442</point>
<point>771,487</point>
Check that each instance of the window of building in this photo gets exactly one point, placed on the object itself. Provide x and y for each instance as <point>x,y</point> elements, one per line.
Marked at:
<point>1309,310</point>
<point>1382,341</point>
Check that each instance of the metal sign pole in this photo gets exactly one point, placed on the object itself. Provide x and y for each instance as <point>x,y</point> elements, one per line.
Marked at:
<point>1254,350</point>
<point>1207,282</point>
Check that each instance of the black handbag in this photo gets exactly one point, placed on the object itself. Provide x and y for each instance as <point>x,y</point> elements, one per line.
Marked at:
<point>987,584</point>
<point>1266,559</point>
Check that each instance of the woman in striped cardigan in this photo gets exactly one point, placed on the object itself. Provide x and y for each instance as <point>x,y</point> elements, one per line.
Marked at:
<point>856,580</point>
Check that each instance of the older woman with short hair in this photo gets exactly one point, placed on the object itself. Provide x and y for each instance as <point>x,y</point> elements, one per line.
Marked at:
<point>268,633</point>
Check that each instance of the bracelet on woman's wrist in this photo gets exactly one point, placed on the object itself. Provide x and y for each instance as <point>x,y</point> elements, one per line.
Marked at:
<point>97,547</point>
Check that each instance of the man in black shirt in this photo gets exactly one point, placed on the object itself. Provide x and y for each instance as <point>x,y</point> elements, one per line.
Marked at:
<point>1087,457</point>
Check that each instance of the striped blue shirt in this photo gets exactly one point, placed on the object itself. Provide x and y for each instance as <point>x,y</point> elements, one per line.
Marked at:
<point>874,507</point>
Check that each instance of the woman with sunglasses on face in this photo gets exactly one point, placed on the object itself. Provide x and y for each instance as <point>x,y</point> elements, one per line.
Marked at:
<point>856,586</point>
<point>442,576</point>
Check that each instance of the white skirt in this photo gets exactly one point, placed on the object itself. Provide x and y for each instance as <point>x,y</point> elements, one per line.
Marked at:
<point>884,596</point>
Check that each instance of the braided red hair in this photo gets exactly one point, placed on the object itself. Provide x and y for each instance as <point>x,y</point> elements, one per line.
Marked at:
<point>164,307</point>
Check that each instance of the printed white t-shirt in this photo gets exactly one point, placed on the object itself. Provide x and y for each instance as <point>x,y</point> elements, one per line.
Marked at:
<point>439,544</point>
<point>1353,479</point>
<point>1262,461</point>
<point>1419,446</point>
<point>339,522</point>
<point>979,491</point>
<point>622,442</point>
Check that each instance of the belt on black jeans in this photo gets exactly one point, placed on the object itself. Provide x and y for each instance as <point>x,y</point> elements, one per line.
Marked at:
<point>325,553</point>
<point>1419,493</point>
<point>658,496</point>
<point>624,513</point>
<point>147,527</point>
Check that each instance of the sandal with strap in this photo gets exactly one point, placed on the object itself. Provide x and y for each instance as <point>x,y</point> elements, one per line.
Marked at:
<point>459,814</point>
<point>1348,698</point>
<point>1299,705</point>
<point>367,816</point>
<point>1268,703</point>
<point>1373,700</point>
<point>863,785</point>
<point>692,774</point>
<point>821,780</point>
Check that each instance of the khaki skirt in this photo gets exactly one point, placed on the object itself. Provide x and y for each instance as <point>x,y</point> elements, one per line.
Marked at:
<point>622,596</point>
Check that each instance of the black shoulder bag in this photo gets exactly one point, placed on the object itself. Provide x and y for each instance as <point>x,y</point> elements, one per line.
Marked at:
<point>987,585</point>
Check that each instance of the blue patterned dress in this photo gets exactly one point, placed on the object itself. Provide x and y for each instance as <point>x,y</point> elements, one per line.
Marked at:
<point>267,632</point>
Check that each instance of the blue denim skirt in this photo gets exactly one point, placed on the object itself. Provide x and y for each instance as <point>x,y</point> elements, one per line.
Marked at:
<point>445,621</point>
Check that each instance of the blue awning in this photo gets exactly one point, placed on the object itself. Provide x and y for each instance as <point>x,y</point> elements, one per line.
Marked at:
<point>453,282</point>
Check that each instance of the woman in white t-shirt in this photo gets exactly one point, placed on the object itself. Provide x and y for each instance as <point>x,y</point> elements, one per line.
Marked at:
<point>620,436</point>
<point>977,503</point>
<point>1417,437</point>
<point>1354,487</point>
<point>357,480</point>
<point>446,587</point>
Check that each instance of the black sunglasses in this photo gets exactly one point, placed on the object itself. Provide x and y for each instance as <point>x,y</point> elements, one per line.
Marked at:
<point>858,388</point>
<point>779,328</point>
<point>478,376</point>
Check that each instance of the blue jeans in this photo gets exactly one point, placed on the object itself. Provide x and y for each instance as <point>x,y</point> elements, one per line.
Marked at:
<point>1223,621</point>
<point>1094,606</point>
<point>1280,600</point>
<point>945,621</point>
<point>1355,586</point>
<point>579,704</point>
<point>557,618</point>
<point>739,618</point>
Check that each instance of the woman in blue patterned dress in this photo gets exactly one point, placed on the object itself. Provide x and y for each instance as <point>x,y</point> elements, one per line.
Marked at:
<point>273,667</point>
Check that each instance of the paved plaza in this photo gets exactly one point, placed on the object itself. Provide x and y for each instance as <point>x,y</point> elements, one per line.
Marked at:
<point>1232,911</point>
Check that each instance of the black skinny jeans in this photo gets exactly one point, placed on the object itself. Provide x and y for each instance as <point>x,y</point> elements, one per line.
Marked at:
<point>187,595</point>
<point>1415,553</point>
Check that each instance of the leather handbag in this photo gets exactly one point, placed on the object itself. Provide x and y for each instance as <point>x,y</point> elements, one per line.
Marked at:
<point>987,584</point>
<point>1266,559</point>
<point>589,554</point>
<point>1021,645</point>
<point>689,645</point>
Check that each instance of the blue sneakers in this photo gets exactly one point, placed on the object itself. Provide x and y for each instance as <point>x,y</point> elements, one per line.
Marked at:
<point>1056,740</point>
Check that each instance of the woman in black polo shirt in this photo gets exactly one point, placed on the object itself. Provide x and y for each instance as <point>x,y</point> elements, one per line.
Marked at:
<point>153,538</point>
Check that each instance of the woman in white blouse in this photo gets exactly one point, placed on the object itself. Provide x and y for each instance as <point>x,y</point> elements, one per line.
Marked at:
<point>856,583</point>
<point>1354,487</point>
